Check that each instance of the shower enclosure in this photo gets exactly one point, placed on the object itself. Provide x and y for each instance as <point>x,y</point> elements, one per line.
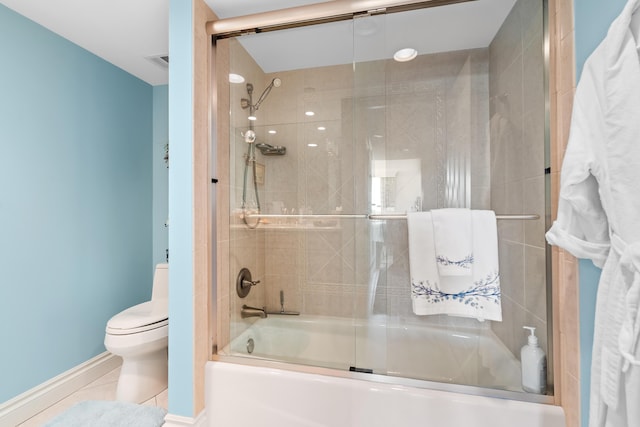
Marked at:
<point>332,141</point>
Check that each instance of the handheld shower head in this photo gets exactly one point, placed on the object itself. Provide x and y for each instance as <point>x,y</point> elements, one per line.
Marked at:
<point>276,82</point>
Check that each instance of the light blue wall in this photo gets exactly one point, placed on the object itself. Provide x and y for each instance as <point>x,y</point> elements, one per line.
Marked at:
<point>181,301</point>
<point>160,173</point>
<point>592,20</point>
<point>589,277</point>
<point>75,201</point>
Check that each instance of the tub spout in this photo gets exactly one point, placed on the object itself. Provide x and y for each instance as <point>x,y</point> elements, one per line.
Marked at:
<point>252,312</point>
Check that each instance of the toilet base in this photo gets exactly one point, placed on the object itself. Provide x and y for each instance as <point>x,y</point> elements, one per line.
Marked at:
<point>142,378</point>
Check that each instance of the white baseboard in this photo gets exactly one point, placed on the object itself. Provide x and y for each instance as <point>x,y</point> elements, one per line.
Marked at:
<point>178,421</point>
<point>39,398</point>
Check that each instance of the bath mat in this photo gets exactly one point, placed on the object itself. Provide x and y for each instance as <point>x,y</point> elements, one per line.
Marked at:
<point>100,413</point>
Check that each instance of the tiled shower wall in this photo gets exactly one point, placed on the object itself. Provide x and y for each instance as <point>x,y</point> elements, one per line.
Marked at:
<point>325,266</point>
<point>437,114</point>
<point>313,262</point>
<point>517,170</point>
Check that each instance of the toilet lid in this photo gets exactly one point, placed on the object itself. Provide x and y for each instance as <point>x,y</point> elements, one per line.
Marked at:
<point>139,318</point>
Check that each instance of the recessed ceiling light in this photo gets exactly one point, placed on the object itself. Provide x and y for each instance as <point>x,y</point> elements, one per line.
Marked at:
<point>272,131</point>
<point>404,55</point>
<point>235,78</point>
<point>309,113</point>
<point>321,128</point>
<point>312,145</point>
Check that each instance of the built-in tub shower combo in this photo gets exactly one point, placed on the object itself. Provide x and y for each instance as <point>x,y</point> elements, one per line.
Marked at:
<point>457,118</point>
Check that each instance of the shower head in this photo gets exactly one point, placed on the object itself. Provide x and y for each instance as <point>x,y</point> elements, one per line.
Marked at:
<point>271,150</point>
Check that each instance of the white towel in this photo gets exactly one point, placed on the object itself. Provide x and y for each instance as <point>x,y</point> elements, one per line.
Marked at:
<point>453,241</point>
<point>477,295</point>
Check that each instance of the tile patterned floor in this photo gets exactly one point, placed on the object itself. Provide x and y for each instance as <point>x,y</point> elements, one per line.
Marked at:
<point>104,388</point>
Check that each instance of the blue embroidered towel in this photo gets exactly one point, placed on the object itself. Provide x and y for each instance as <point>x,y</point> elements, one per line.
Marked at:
<point>453,241</point>
<point>477,295</point>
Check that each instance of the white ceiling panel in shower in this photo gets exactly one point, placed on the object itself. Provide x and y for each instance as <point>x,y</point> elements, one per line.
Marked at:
<point>440,29</point>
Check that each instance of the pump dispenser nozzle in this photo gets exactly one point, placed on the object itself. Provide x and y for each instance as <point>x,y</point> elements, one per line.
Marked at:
<point>533,339</point>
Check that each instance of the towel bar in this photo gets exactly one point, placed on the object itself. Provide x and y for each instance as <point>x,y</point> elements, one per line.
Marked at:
<point>378,216</point>
<point>498,216</point>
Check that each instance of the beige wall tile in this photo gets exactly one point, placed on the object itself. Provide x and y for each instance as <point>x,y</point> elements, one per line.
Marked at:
<point>566,64</point>
<point>512,270</point>
<point>517,167</point>
<point>535,298</point>
<point>571,400</point>
<point>565,106</point>
<point>535,203</point>
<point>510,330</point>
<point>565,282</point>
<point>565,18</point>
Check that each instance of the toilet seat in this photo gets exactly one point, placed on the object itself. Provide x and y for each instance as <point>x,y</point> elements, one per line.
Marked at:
<point>139,318</point>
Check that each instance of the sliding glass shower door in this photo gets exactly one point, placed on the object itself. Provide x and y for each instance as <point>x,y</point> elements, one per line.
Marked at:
<point>332,145</point>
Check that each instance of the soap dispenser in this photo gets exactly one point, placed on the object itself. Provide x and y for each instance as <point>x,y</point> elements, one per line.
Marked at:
<point>534,365</point>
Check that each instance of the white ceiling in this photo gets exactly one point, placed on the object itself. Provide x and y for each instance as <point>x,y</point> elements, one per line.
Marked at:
<point>441,29</point>
<point>123,32</point>
<point>127,32</point>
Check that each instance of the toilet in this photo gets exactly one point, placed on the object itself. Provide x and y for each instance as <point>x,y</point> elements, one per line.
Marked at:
<point>139,335</point>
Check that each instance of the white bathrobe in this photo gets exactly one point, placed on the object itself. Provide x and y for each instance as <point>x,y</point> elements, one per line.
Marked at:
<point>599,214</point>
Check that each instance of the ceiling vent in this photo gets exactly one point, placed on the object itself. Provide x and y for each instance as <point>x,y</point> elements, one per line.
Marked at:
<point>162,60</point>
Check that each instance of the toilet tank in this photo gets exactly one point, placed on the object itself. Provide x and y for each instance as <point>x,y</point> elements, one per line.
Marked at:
<point>160,282</point>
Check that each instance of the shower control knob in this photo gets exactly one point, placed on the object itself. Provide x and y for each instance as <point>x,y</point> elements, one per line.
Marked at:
<point>250,283</point>
<point>244,283</point>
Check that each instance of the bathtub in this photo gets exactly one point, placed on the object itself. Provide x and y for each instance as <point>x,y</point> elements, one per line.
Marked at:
<point>442,353</point>
<point>298,374</point>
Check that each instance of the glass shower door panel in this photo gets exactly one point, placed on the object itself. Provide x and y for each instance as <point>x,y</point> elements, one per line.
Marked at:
<point>423,123</point>
<point>246,244</point>
<point>296,244</point>
<point>376,184</point>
